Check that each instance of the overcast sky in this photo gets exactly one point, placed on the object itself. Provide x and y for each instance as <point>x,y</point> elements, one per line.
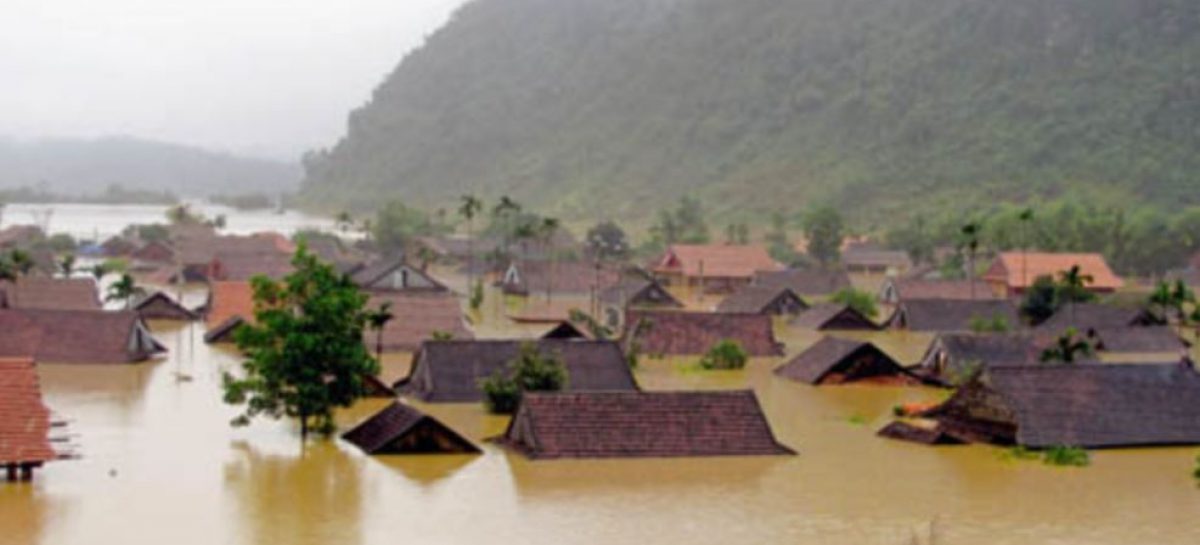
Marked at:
<point>271,77</point>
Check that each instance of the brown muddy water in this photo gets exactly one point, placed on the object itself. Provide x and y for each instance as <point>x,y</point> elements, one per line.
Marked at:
<point>160,465</point>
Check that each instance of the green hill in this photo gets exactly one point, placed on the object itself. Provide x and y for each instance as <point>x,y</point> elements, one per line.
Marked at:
<point>595,108</point>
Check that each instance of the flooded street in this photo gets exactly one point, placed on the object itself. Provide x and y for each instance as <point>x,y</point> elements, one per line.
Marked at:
<point>160,464</point>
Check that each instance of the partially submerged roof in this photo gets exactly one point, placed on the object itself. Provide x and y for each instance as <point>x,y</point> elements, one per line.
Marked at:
<point>228,300</point>
<point>395,274</point>
<point>570,277</point>
<point>1087,317</point>
<point>833,316</point>
<point>160,306</point>
<point>635,292</point>
<point>1111,405</point>
<point>416,317</point>
<point>24,418</point>
<point>401,429</point>
<point>242,266</point>
<point>672,332</point>
<point>641,425</point>
<point>895,290</point>
<point>805,282</point>
<point>1143,340</point>
<point>78,336</point>
<point>778,300</point>
<point>36,292</point>
<point>951,315</point>
<point>838,361</point>
<point>1018,270</point>
<point>953,356</point>
<point>875,258</point>
<point>716,260</point>
<point>450,371</point>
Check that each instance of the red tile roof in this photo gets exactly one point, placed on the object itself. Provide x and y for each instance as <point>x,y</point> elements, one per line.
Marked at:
<point>694,333</point>
<point>1019,270</point>
<point>76,336</point>
<point>35,292</point>
<point>229,299</point>
<point>416,317</point>
<point>716,260</point>
<point>641,424</point>
<point>24,419</point>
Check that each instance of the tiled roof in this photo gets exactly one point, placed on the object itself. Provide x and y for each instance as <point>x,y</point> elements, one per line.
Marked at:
<point>833,316</point>
<point>633,291</point>
<point>805,282</point>
<point>370,276</point>
<point>841,361</point>
<point>24,419</point>
<point>874,257</point>
<point>951,314</point>
<point>641,424</point>
<point>573,277</point>
<point>1142,340</point>
<point>1085,317</point>
<point>450,371</point>
<point>229,299</point>
<point>401,429</point>
<point>964,290</point>
<point>160,306</point>
<point>1019,270</point>
<point>238,266</point>
<point>78,336</point>
<point>416,317</point>
<point>763,300</point>
<point>693,333</point>
<point>716,260</point>
<point>952,356</point>
<point>35,292</point>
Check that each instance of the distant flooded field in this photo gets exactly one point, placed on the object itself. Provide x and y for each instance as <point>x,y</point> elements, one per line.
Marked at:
<point>99,221</point>
<point>161,465</point>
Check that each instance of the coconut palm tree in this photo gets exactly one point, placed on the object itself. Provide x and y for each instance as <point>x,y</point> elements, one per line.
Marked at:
<point>469,206</point>
<point>545,233</point>
<point>505,210</point>
<point>969,241</point>
<point>1026,218</point>
<point>376,320</point>
<point>123,290</point>
<point>1072,285</point>
<point>1067,348</point>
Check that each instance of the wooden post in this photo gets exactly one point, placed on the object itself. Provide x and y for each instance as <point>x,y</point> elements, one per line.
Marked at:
<point>12,472</point>
<point>26,472</point>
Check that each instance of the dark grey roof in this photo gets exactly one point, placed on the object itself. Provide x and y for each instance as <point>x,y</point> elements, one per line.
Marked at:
<point>1086,317</point>
<point>1138,339</point>
<point>635,291</point>
<point>805,282</point>
<point>950,315</point>
<point>401,429</point>
<point>860,359</point>
<point>450,371</point>
<point>762,300</point>
<point>834,316</point>
<point>956,353</point>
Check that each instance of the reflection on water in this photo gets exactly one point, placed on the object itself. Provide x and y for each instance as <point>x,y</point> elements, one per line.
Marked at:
<point>162,466</point>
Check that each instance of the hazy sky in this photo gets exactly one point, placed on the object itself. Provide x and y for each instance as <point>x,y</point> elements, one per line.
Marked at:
<point>272,77</point>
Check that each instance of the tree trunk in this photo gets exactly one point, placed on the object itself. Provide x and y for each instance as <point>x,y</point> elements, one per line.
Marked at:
<point>379,344</point>
<point>303,428</point>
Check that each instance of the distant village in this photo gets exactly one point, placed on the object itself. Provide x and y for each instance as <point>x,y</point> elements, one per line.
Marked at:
<point>1047,352</point>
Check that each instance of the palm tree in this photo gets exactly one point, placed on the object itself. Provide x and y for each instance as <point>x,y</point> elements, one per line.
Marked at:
<point>545,232</point>
<point>1161,297</point>
<point>377,319</point>
<point>1073,288</point>
<point>505,209</point>
<point>1067,348</point>
<point>970,241</point>
<point>1026,218</point>
<point>67,265</point>
<point>122,290</point>
<point>469,207</point>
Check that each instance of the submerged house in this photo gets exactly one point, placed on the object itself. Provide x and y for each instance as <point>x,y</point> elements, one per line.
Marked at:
<point>954,357</point>
<point>1090,406</point>
<point>951,315</point>
<point>717,268</point>
<point>772,300</point>
<point>418,317</point>
<point>36,292</point>
<point>1086,318</point>
<point>895,290</point>
<point>77,336</point>
<point>641,425</point>
<point>24,420</point>
<point>242,266</point>
<point>160,306</point>
<point>401,429</point>
<point>678,333</point>
<point>842,361</point>
<point>1012,273</point>
<point>834,317</point>
<point>230,304</point>
<point>450,371</point>
<point>530,277</point>
<point>395,275</point>
<point>634,292</point>
<point>871,260</point>
<point>805,283</point>
<point>1161,340</point>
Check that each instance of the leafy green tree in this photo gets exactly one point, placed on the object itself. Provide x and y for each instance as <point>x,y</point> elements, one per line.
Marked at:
<point>98,271</point>
<point>66,265</point>
<point>476,295</point>
<point>21,261</point>
<point>824,228</point>
<point>860,301</point>
<point>737,233</point>
<point>397,224</point>
<point>1040,301</point>
<point>779,245</point>
<point>1068,348</point>
<point>690,219</point>
<point>726,354</point>
<point>305,354</point>
<point>530,371</point>
<point>607,241</point>
<point>123,290</point>
<point>914,238</point>
<point>8,272</point>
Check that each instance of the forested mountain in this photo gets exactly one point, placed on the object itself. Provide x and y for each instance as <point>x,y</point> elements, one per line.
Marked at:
<point>615,107</point>
<point>77,166</point>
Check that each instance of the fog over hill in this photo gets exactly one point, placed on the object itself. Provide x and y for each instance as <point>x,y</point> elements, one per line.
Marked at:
<point>69,166</point>
<point>614,107</point>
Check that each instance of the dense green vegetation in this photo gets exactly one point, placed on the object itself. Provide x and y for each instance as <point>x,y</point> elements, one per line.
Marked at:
<point>530,371</point>
<point>598,109</point>
<point>726,354</point>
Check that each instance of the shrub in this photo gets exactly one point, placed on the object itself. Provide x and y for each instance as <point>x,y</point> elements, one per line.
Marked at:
<point>726,354</point>
<point>1066,456</point>
<point>995,324</point>
<point>860,301</point>
<point>530,371</point>
<point>477,295</point>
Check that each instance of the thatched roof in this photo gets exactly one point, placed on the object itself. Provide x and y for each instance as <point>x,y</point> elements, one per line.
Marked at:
<point>640,425</point>
<point>693,333</point>
<point>950,315</point>
<point>25,420</point>
<point>774,300</point>
<point>1110,405</point>
<point>401,429</point>
<point>804,282</point>
<point>838,361</point>
<point>450,371</point>
<point>833,316</point>
<point>35,292</point>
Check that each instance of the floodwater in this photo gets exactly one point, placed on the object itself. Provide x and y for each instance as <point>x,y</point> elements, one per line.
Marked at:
<point>160,465</point>
<point>100,221</point>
